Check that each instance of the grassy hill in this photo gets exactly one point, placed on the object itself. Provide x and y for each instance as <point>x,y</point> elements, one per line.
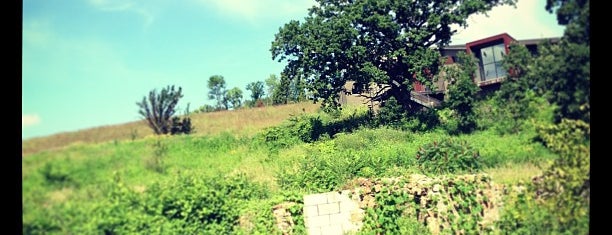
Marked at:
<point>235,172</point>
<point>239,122</point>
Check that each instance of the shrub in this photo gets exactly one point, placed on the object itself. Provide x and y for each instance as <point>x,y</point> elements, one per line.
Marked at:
<point>558,201</point>
<point>159,108</point>
<point>58,173</point>
<point>448,156</point>
<point>155,162</point>
<point>390,113</point>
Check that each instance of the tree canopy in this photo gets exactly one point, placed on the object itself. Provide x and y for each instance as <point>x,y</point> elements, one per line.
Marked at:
<point>568,75</point>
<point>216,86</point>
<point>257,90</point>
<point>390,43</point>
<point>234,97</point>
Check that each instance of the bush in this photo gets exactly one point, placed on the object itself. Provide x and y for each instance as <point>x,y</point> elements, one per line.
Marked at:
<point>188,203</point>
<point>558,201</point>
<point>155,162</point>
<point>448,156</point>
<point>312,127</point>
<point>58,173</point>
<point>327,165</point>
<point>159,108</point>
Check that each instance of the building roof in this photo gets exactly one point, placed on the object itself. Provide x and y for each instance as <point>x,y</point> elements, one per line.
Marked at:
<point>533,41</point>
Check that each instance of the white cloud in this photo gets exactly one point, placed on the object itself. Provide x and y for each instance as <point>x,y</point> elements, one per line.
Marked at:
<point>29,120</point>
<point>130,6</point>
<point>527,21</point>
<point>251,10</point>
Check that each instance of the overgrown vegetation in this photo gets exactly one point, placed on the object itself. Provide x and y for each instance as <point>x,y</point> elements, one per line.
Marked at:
<point>411,170</point>
<point>448,156</point>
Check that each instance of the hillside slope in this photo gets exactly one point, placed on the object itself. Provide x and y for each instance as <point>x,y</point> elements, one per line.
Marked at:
<point>238,122</point>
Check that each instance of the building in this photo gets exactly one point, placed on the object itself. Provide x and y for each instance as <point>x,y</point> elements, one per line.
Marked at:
<point>489,53</point>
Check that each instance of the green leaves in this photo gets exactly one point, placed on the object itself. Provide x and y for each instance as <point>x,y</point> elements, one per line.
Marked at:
<point>385,42</point>
<point>448,156</point>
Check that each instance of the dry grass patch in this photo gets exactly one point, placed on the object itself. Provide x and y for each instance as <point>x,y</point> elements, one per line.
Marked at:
<point>245,122</point>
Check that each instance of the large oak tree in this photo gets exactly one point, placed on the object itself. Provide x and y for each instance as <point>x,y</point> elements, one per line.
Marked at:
<point>390,43</point>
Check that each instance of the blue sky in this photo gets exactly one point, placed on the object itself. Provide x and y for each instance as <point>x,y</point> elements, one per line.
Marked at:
<point>85,63</point>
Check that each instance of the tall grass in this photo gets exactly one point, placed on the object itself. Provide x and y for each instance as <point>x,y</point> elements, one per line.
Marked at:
<point>118,182</point>
<point>239,122</point>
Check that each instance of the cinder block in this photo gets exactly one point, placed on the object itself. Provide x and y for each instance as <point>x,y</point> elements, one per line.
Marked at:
<point>348,205</point>
<point>317,221</point>
<point>314,231</point>
<point>310,211</point>
<point>333,197</point>
<point>335,229</point>
<point>329,208</point>
<point>339,218</point>
<point>314,199</point>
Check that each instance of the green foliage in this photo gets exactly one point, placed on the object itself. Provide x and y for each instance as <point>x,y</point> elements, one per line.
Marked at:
<point>216,86</point>
<point>419,205</point>
<point>327,165</point>
<point>388,43</point>
<point>158,109</point>
<point>310,128</point>
<point>186,204</point>
<point>462,92</point>
<point>558,201</point>
<point>390,113</point>
<point>272,83</point>
<point>234,97</point>
<point>384,217</point>
<point>207,108</point>
<point>566,77</point>
<point>58,174</point>
<point>567,180</point>
<point>513,104</point>
<point>289,89</point>
<point>155,162</point>
<point>448,122</point>
<point>448,156</point>
<point>181,126</point>
<point>257,90</point>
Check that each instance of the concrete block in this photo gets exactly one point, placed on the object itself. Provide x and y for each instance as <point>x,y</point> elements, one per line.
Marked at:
<point>335,229</point>
<point>333,197</point>
<point>317,221</point>
<point>310,211</point>
<point>329,208</point>
<point>314,231</point>
<point>314,199</point>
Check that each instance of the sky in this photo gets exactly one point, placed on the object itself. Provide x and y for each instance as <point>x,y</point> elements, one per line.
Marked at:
<point>85,63</point>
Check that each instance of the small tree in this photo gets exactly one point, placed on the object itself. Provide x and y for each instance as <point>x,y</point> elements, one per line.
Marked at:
<point>271,84</point>
<point>234,97</point>
<point>216,84</point>
<point>257,90</point>
<point>281,92</point>
<point>158,108</point>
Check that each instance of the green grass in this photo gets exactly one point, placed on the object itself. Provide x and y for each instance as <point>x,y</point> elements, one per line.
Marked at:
<point>61,185</point>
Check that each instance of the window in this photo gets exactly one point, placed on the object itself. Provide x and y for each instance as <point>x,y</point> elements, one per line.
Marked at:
<point>491,59</point>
